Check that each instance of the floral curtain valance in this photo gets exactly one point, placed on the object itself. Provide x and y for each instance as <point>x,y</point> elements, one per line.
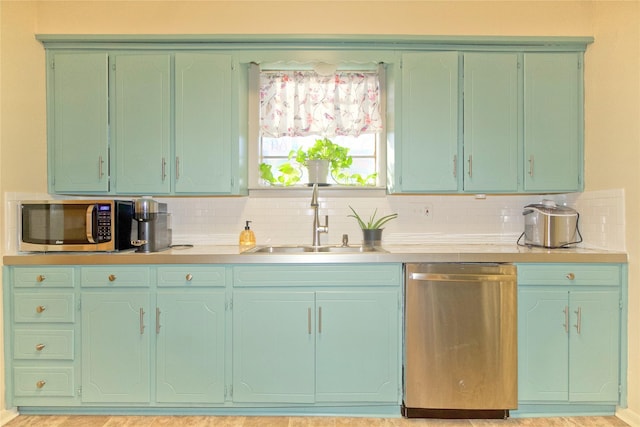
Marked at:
<point>301,103</point>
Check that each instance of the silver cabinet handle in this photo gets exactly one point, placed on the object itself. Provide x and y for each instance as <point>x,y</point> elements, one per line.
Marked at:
<point>566,319</point>
<point>141,321</point>
<point>319,320</point>
<point>470,166</point>
<point>177,167</point>
<point>578,324</point>
<point>157,320</point>
<point>531,165</point>
<point>455,165</point>
<point>100,163</point>
<point>164,168</point>
<point>309,320</point>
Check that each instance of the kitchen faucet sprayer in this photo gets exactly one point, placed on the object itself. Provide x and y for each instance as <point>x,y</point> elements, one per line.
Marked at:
<point>317,228</point>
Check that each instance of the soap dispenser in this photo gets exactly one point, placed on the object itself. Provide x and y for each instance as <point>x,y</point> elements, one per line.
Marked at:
<point>247,238</point>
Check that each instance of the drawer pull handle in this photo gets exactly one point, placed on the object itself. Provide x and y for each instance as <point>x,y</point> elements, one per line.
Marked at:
<point>41,383</point>
<point>189,277</point>
<point>571,276</point>
<point>40,278</point>
<point>40,308</point>
<point>112,277</point>
<point>40,347</point>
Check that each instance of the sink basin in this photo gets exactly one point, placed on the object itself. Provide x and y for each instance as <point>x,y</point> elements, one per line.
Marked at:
<point>284,249</point>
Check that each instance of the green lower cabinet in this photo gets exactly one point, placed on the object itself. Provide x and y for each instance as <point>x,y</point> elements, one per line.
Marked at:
<point>306,347</point>
<point>190,346</point>
<point>116,331</point>
<point>356,355</point>
<point>569,340</point>
<point>317,335</point>
<point>273,346</point>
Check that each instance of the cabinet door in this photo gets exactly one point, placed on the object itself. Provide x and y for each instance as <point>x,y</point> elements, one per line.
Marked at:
<point>273,346</point>
<point>491,122</point>
<point>78,123</point>
<point>552,122</point>
<point>190,346</point>
<point>142,127</point>
<point>429,133</point>
<point>543,345</point>
<point>203,123</point>
<point>594,346</point>
<point>357,346</point>
<point>115,347</point>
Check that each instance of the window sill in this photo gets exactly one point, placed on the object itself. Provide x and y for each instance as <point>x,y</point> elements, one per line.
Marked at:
<point>334,190</point>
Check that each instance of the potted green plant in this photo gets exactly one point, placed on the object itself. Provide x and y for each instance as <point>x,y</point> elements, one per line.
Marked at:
<point>322,157</point>
<point>372,229</point>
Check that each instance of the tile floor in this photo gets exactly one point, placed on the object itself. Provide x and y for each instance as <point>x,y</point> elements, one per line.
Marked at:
<point>226,421</point>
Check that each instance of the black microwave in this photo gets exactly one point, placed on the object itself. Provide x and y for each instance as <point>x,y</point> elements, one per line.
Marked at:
<point>75,225</point>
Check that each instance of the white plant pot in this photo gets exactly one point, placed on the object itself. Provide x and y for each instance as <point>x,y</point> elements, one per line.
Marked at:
<point>318,171</point>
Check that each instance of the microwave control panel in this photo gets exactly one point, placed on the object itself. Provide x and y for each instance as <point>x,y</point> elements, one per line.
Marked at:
<point>104,223</point>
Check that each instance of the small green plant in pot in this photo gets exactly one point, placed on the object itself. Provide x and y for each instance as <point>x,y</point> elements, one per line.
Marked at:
<point>372,228</point>
<point>336,158</point>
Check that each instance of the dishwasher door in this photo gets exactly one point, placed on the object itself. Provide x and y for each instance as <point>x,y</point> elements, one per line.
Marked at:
<point>460,340</point>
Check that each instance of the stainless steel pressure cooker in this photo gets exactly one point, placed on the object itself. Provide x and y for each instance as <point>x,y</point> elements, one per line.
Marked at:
<point>550,226</point>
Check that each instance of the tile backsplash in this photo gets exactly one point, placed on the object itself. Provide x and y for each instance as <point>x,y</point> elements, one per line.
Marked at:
<point>279,219</point>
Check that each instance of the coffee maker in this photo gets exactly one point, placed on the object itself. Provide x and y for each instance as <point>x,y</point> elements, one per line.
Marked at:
<point>150,231</point>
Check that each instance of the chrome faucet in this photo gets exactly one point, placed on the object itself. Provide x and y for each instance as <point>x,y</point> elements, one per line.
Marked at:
<point>317,228</point>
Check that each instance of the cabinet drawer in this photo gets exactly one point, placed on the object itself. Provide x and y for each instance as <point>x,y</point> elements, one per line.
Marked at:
<point>115,276</point>
<point>44,307</point>
<point>569,274</point>
<point>54,344</point>
<point>318,275</point>
<point>191,276</point>
<point>43,277</point>
<point>43,381</point>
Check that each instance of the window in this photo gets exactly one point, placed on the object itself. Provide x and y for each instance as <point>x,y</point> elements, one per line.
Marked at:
<point>298,108</point>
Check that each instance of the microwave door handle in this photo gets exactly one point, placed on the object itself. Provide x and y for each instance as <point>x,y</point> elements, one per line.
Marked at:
<point>89,223</point>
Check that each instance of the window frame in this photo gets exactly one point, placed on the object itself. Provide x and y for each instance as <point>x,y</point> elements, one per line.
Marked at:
<point>301,60</point>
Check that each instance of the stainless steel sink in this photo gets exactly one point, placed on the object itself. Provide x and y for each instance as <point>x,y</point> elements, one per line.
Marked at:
<point>288,249</point>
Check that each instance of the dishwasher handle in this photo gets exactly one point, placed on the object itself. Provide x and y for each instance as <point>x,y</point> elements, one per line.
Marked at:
<point>462,277</point>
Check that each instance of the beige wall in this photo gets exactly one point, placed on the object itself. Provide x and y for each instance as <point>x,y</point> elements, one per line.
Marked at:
<point>612,72</point>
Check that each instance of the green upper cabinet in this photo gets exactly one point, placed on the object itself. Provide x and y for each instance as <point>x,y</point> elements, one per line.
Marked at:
<point>78,122</point>
<point>203,123</point>
<point>490,122</point>
<point>553,122</point>
<point>428,148</point>
<point>142,123</point>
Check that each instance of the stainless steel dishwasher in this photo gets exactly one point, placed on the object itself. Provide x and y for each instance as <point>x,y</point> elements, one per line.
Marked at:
<point>460,340</point>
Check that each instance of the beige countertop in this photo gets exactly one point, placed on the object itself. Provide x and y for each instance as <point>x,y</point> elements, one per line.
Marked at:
<point>219,254</point>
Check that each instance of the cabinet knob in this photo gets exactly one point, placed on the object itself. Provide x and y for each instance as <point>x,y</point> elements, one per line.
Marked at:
<point>189,277</point>
<point>112,277</point>
<point>40,278</point>
<point>41,383</point>
<point>571,276</point>
<point>40,308</point>
<point>40,347</point>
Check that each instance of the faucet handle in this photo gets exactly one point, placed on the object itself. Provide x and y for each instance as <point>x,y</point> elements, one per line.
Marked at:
<point>345,240</point>
<point>324,228</point>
